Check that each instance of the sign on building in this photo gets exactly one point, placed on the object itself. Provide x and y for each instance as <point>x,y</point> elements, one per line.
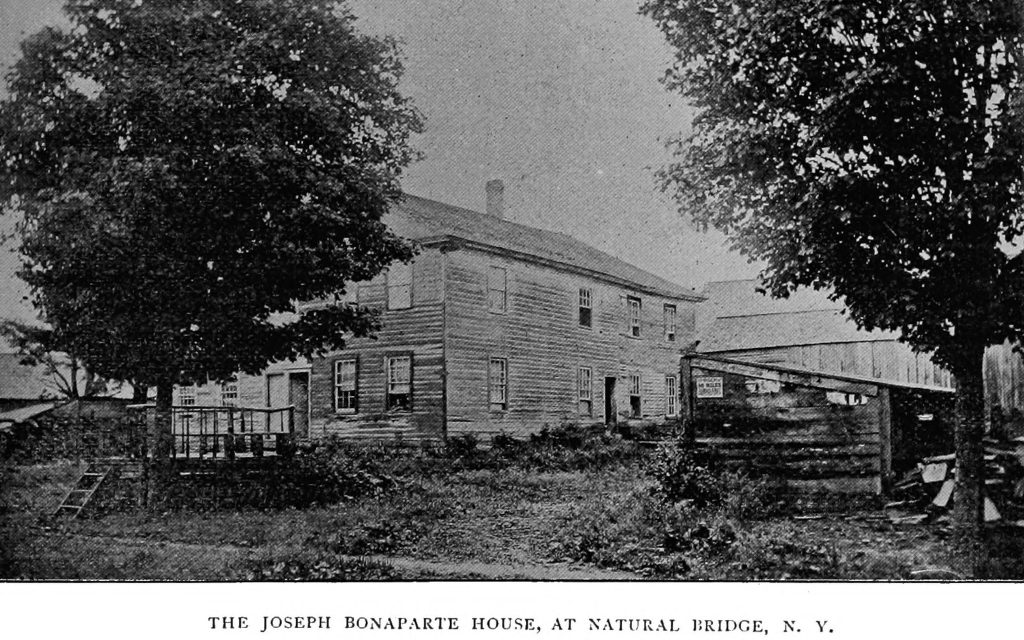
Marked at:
<point>709,387</point>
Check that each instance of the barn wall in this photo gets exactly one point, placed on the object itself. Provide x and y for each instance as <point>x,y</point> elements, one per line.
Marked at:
<point>887,360</point>
<point>540,336</point>
<point>795,434</point>
<point>1004,379</point>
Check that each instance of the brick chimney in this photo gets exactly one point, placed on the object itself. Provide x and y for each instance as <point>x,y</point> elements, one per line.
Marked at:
<point>496,198</point>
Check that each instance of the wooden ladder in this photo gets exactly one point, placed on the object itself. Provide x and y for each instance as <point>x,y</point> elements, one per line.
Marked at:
<point>76,499</point>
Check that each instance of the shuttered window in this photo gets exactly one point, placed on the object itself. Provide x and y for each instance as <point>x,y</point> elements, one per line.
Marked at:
<point>498,383</point>
<point>399,284</point>
<point>670,322</point>
<point>497,281</point>
<point>399,382</point>
<point>346,386</point>
<point>671,396</point>
<point>586,307</point>
<point>634,316</point>
<point>585,390</point>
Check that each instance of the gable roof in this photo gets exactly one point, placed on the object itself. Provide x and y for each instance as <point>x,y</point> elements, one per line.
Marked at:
<point>427,221</point>
<point>738,317</point>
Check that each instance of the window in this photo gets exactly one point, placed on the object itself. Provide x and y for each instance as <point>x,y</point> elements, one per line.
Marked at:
<point>634,316</point>
<point>635,405</point>
<point>399,389</point>
<point>497,374</point>
<point>585,387</point>
<point>399,283</point>
<point>670,322</point>
<point>187,396</point>
<point>845,399</point>
<point>586,307</point>
<point>229,393</point>
<point>496,289</point>
<point>671,396</point>
<point>346,392</point>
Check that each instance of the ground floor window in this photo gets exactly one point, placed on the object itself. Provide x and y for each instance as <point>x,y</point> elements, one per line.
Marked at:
<point>399,382</point>
<point>498,383</point>
<point>635,403</point>
<point>585,388</point>
<point>671,396</point>
<point>346,391</point>
<point>229,393</point>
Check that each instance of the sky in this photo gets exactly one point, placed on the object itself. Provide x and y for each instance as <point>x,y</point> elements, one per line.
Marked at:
<point>560,99</point>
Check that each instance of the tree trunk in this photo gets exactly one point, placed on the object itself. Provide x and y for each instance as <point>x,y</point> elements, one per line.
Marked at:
<point>140,393</point>
<point>968,541</point>
<point>160,435</point>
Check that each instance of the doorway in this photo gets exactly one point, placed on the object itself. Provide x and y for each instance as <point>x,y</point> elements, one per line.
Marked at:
<point>610,414</point>
<point>298,397</point>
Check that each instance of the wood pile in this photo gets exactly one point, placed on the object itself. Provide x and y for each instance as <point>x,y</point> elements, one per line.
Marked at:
<point>926,493</point>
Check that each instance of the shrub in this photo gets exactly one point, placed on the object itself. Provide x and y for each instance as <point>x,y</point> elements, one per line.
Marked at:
<point>684,474</point>
<point>320,567</point>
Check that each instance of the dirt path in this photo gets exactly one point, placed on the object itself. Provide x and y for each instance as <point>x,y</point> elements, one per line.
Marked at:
<point>444,570</point>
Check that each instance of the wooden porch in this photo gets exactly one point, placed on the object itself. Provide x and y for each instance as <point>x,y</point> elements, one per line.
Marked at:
<point>222,432</point>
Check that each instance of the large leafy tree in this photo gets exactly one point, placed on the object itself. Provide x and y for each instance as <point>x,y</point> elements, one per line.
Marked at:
<point>866,147</point>
<point>188,169</point>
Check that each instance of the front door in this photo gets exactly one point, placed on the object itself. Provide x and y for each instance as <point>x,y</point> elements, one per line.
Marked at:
<point>298,397</point>
<point>609,402</point>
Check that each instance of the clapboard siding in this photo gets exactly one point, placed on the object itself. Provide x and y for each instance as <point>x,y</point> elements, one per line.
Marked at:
<point>795,433</point>
<point>881,359</point>
<point>540,337</point>
<point>416,331</point>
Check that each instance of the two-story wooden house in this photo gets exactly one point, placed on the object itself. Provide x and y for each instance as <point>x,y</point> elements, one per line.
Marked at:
<point>494,327</point>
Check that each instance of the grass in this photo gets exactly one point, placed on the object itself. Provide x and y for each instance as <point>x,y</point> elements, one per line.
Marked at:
<point>475,519</point>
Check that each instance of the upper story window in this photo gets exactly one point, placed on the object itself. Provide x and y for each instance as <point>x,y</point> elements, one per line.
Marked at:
<point>586,307</point>
<point>229,393</point>
<point>670,322</point>
<point>497,374</point>
<point>399,285</point>
<point>633,304</point>
<point>497,281</point>
<point>585,391</point>
<point>671,396</point>
<point>346,386</point>
<point>399,382</point>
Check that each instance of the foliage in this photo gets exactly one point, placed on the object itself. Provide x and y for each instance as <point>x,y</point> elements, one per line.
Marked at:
<point>68,374</point>
<point>864,147</point>
<point>681,473</point>
<point>187,170</point>
<point>869,148</point>
<point>307,567</point>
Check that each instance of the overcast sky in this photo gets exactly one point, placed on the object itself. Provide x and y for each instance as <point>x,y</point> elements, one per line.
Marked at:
<point>559,98</point>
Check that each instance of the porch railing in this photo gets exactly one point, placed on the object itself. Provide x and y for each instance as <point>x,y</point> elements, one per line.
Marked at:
<point>224,432</point>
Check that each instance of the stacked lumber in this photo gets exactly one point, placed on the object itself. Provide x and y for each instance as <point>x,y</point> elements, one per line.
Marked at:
<point>926,493</point>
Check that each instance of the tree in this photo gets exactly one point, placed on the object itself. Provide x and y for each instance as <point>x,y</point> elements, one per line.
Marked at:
<point>866,147</point>
<point>189,169</point>
<point>37,347</point>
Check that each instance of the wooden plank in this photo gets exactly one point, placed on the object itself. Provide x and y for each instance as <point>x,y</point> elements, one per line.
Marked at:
<point>817,381</point>
<point>885,437</point>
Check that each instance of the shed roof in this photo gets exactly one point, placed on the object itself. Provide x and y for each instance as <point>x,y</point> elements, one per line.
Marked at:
<point>425,220</point>
<point>738,316</point>
<point>21,414</point>
<point>24,382</point>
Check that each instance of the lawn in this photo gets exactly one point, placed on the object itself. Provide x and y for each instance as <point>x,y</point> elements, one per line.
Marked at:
<point>601,522</point>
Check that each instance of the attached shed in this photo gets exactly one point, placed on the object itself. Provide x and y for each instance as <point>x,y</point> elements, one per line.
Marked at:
<point>818,431</point>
